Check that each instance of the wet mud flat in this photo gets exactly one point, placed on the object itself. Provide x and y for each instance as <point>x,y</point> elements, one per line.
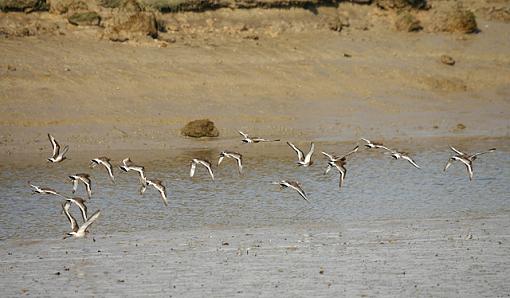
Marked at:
<point>455,257</point>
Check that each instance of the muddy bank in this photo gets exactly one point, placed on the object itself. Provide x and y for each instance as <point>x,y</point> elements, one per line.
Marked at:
<point>295,85</point>
<point>338,72</point>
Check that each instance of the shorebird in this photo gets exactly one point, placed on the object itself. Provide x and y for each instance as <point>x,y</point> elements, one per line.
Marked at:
<point>369,144</point>
<point>45,190</point>
<point>85,179</point>
<point>230,154</point>
<point>403,155</point>
<point>332,157</point>
<point>78,231</point>
<point>58,155</point>
<point>205,163</point>
<point>303,160</point>
<point>128,166</point>
<point>466,159</point>
<point>105,161</point>
<point>158,184</point>
<point>294,185</point>
<point>339,164</point>
<point>247,139</point>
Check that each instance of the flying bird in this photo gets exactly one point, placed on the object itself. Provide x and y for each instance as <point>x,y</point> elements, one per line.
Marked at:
<point>85,179</point>
<point>202,162</point>
<point>158,184</point>
<point>57,155</point>
<point>466,159</point>
<point>403,155</point>
<point>369,145</point>
<point>78,231</point>
<point>45,190</point>
<point>230,154</point>
<point>332,157</point>
<point>104,161</point>
<point>249,140</point>
<point>339,164</point>
<point>303,160</point>
<point>128,166</point>
<point>293,185</point>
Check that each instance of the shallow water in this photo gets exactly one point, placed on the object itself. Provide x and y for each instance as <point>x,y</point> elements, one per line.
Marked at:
<point>377,187</point>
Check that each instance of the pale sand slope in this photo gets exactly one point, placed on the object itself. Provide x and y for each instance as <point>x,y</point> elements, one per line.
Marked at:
<point>298,85</point>
<point>393,258</point>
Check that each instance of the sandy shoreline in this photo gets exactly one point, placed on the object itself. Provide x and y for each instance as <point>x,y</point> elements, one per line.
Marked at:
<point>296,86</point>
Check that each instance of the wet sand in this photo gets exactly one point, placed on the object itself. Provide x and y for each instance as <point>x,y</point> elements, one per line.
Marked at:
<point>392,230</point>
<point>375,258</point>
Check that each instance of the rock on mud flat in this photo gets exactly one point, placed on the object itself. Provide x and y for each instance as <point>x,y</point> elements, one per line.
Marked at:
<point>200,128</point>
<point>131,22</point>
<point>65,6</point>
<point>88,18</point>
<point>454,18</point>
<point>448,60</point>
<point>21,5</point>
<point>407,22</point>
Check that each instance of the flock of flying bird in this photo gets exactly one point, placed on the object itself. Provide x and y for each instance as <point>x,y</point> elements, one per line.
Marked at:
<point>334,162</point>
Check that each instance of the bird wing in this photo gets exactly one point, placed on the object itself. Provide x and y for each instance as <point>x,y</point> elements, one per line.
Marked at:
<point>448,164</point>
<point>193,167</point>
<point>208,166</point>
<point>143,188</point>
<point>87,183</point>
<point>366,140</point>
<point>83,208</point>
<point>342,172</point>
<point>469,167</point>
<point>239,159</point>
<point>299,152</point>
<point>141,172</point>
<point>480,153</point>
<point>90,221</point>
<point>243,134</point>
<point>220,160</point>
<point>126,161</point>
<point>54,145</point>
<point>109,168</point>
<point>308,156</point>
<point>162,190</point>
<point>64,151</point>
<point>457,151</point>
<point>351,152</point>
<point>329,156</point>
<point>384,147</point>
<point>36,188</point>
<point>327,169</point>
<point>300,191</point>
<point>70,218</point>
<point>75,184</point>
<point>411,161</point>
